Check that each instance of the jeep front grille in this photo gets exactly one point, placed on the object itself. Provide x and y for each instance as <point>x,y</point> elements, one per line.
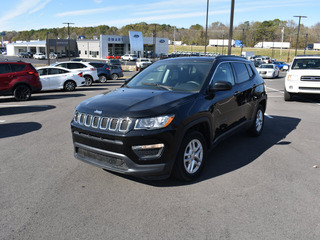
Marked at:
<point>103,123</point>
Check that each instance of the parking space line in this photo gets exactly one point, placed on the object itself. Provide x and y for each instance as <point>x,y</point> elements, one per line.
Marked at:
<point>268,116</point>
<point>281,91</point>
<point>2,121</point>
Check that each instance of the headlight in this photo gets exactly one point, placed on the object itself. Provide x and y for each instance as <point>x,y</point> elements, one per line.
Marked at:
<point>292,78</point>
<point>153,123</point>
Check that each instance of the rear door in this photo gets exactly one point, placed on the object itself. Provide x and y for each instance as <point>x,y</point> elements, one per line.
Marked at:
<point>244,88</point>
<point>57,77</point>
<point>44,78</point>
<point>5,77</point>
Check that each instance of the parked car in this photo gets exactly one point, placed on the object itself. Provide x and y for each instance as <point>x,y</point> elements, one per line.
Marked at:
<point>129,57</point>
<point>103,70</point>
<point>114,62</point>
<point>39,56</point>
<point>142,63</point>
<point>25,55</point>
<point>60,78</point>
<point>52,55</point>
<point>303,77</point>
<point>89,73</point>
<point>19,79</point>
<point>268,71</point>
<point>281,65</point>
<point>257,63</point>
<point>165,119</point>
<point>116,72</point>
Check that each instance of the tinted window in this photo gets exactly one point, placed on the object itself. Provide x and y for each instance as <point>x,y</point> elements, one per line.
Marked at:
<point>62,65</point>
<point>4,68</point>
<point>43,71</point>
<point>97,65</point>
<point>241,72</point>
<point>76,65</point>
<point>224,73</point>
<point>250,70</point>
<point>56,71</point>
<point>17,67</point>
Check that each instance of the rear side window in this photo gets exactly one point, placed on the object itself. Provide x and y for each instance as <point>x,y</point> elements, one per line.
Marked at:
<point>97,65</point>
<point>241,72</point>
<point>62,65</point>
<point>56,71</point>
<point>250,71</point>
<point>17,67</point>
<point>4,68</point>
<point>76,65</point>
<point>43,71</point>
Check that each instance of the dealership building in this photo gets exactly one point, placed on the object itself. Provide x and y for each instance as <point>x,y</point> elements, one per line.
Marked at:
<point>113,45</point>
<point>59,46</point>
<point>106,45</point>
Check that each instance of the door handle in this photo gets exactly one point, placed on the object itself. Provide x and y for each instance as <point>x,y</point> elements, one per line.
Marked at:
<point>236,93</point>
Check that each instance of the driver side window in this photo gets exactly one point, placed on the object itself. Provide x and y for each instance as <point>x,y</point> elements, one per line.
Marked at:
<point>224,73</point>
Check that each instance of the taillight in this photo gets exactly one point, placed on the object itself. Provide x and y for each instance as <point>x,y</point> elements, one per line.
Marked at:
<point>121,70</point>
<point>93,69</point>
<point>80,74</point>
<point>108,68</point>
<point>34,73</point>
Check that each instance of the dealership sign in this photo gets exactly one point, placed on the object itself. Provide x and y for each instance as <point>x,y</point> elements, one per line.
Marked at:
<point>136,41</point>
<point>162,41</point>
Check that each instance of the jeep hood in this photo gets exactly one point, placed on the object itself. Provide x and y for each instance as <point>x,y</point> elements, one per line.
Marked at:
<point>126,102</point>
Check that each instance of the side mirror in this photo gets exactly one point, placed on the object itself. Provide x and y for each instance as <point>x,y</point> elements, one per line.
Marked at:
<point>221,86</point>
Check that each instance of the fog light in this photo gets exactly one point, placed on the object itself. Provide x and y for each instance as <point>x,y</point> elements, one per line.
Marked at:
<point>146,152</point>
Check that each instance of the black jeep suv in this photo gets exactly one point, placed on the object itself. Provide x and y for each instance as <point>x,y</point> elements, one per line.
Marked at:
<point>166,118</point>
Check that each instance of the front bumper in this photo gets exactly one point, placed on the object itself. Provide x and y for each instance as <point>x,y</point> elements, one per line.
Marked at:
<point>116,151</point>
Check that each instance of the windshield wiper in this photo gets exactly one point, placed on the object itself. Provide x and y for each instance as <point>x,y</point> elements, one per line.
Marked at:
<point>158,85</point>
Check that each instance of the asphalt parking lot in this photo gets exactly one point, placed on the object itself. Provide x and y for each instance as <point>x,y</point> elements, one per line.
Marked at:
<point>251,188</point>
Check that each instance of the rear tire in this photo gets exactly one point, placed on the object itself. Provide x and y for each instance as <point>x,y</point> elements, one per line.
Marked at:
<point>191,157</point>
<point>257,126</point>
<point>22,93</point>
<point>114,76</point>
<point>88,80</point>
<point>69,86</point>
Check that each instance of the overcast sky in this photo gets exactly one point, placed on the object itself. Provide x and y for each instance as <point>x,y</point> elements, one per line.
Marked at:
<point>36,14</point>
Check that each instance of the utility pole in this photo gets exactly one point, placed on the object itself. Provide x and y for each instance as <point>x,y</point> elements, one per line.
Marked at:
<point>48,48</point>
<point>242,42</point>
<point>205,39</point>
<point>231,27</point>
<point>174,39</point>
<point>282,35</point>
<point>68,38</point>
<point>304,52</point>
<point>298,32</point>
<point>154,41</point>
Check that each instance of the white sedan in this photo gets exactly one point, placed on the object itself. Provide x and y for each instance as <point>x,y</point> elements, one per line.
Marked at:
<point>39,56</point>
<point>60,78</point>
<point>268,70</point>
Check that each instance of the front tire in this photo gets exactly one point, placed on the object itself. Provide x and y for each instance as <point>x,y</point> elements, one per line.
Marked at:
<point>103,79</point>
<point>191,157</point>
<point>257,126</point>
<point>287,96</point>
<point>22,93</point>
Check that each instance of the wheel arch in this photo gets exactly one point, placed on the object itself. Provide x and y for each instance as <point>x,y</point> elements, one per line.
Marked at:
<point>70,80</point>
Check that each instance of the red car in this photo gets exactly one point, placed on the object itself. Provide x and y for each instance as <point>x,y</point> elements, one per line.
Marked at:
<point>19,79</point>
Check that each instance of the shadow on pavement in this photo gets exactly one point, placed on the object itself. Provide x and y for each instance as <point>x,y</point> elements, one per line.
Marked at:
<point>16,129</point>
<point>24,109</point>
<point>237,151</point>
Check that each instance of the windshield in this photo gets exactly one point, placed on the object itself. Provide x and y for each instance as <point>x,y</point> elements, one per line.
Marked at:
<point>173,75</point>
<point>306,63</point>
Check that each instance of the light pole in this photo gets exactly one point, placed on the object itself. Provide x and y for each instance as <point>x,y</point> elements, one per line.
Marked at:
<point>48,48</point>
<point>205,38</point>
<point>231,27</point>
<point>304,53</point>
<point>68,38</point>
<point>298,32</point>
